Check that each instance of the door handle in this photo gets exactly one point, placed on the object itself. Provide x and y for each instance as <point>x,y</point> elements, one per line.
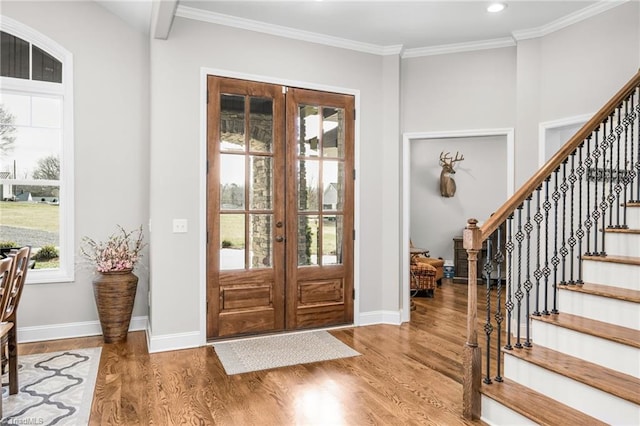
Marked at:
<point>279,238</point>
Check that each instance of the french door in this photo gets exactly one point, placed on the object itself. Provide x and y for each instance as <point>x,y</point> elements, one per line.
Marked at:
<point>279,208</point>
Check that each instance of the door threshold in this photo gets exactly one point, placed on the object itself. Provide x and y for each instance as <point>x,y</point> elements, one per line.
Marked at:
<point>260,336</point>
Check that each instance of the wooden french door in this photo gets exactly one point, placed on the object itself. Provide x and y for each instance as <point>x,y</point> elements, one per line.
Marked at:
<point>279,208</point>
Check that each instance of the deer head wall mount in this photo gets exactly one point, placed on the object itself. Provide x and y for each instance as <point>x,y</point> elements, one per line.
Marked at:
<point>447,184</point>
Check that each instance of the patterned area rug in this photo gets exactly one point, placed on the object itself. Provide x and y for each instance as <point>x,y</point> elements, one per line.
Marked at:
<point>55,388</point>
<point>265,352</point>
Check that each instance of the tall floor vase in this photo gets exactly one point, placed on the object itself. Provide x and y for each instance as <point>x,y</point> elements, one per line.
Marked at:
<point>115,293</point>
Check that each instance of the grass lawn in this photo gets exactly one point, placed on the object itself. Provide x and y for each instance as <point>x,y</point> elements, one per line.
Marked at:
<point>39,216</point>
<point>232,230</point>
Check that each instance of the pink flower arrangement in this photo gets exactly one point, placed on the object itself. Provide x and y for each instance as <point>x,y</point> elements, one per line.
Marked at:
<point>120,252</point>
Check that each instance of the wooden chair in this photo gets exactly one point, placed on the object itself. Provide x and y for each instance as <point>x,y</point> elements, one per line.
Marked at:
<point>9,308</point>
<point>6,266</point>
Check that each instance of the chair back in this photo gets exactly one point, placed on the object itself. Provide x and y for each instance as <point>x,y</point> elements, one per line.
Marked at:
<point>18,276</point>
<point>5,279</point>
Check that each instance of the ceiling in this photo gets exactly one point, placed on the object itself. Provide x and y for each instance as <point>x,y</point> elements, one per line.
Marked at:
<point>383,24</point>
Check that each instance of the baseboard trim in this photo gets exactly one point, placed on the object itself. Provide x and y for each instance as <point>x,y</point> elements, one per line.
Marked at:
<point>70,330</point>
<point>172,342</point>
<point>380,317</point>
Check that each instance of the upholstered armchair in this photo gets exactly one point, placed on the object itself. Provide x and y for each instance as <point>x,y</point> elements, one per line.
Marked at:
<point>426,271</point>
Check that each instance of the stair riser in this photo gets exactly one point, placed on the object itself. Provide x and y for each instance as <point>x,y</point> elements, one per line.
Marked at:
<point>494,413</point>
<point>612,274</point>
<point>633,217</point>
<point>605,309</point>
<point>619,244</point>
<point>608,408</point>
<point>587,347</point>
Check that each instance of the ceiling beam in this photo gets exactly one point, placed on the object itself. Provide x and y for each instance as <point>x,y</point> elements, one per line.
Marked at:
<point>162,18</point>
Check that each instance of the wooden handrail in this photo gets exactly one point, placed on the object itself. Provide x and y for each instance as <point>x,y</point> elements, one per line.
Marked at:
<point>554,162</point>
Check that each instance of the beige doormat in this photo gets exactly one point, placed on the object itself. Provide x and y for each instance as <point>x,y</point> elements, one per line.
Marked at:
<point>266,352</point>
<point>54,388</point>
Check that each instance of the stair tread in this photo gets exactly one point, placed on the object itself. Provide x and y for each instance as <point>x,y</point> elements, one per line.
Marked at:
<point>607,380</point>
<point>527,402</point>
<point>628,260</point>
<point>619,293</point>
<point>615,333</point>
<point>622,231</point>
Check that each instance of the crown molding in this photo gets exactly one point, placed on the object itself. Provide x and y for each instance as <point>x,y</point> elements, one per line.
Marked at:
<point>278,30</point>
<point>574,18</point>
<point>281,31</point>
<point>459,47</point>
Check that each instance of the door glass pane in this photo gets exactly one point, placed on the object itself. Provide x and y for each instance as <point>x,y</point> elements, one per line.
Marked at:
<point>231,182</point>
<point>332,188</point>
<point>308,231</point>
<point>260,240</point>
<point>261,125</point>
<point>308,131</point>
<point>231,123</point>
<point>333,132</point>
<point>232,241</point>
<point>332,231</point>
<point>308,180</point>
<point>261,178</point>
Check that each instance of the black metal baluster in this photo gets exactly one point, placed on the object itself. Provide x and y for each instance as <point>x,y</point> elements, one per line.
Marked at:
<point>555,260</point>
<point>488,327</point>
<point>519,294</point>
<point>546,270</point>
<point>608,142</point>
<point>580,232</point>
<point>528,285</point>
<point>595,213</point>
<point>637,165</point>
<point>538,218</point>
<point>588,162</point>
<point>499,317</point>
<point>509,302</point>
<point>571,241</point>
<point>618,186</point>
<point>564,187</point>
<point>626,179</point>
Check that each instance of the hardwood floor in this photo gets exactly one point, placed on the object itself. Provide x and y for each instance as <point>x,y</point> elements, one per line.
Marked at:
<point>409,375</point>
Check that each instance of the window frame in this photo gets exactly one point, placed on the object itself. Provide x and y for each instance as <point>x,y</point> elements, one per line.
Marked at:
<point>64,91</point>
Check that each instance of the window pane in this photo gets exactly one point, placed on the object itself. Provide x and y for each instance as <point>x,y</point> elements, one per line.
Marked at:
<point>14,56</point>
<point>261,178</point>
<point>308,180</point>
<point>261,124</point>
<point>308,128</point>
<point>46,112</point>
<point>261,237</point>
<point>333,132</point>
<point>32,219</point>
<point>332,230</point>
<point>45,66</point>
<point>333,177</point>
<point>308,240</point>
<point>231,182</point>
<point>232,123</point>
<point>232,241</point>
<point>17,109</point>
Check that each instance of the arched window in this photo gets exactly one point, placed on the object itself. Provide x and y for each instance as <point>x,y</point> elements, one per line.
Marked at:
<point>36,150</point>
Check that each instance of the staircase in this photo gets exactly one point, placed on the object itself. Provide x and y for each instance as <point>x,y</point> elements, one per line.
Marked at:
<point>560,340</point>
<point>583,367</point>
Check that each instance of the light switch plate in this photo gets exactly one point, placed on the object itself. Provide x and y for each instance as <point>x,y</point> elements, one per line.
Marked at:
<point>179,226</point>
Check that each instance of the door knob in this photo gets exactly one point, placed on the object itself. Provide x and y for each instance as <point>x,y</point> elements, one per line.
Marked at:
<point>279,238</point>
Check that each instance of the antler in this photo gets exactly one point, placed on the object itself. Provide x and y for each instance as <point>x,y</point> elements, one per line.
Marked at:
<point>445,158</point>
<point>455,160</point>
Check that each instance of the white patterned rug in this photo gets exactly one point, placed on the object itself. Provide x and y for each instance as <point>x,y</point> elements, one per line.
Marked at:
<point>55,388</point>
<point>265,352</point>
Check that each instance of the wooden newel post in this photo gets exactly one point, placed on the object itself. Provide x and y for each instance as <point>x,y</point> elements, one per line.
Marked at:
<point>471,357</point>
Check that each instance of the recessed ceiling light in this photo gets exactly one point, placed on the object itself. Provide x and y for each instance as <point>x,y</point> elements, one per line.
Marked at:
<point>496,7</point>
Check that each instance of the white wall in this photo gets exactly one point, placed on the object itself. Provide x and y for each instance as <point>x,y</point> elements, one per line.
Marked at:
<point>435,220</point>
<point>175,147</point>
<point>111,120</point>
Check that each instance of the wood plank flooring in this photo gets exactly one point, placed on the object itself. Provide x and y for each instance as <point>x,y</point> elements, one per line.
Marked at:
<point>408,375</point>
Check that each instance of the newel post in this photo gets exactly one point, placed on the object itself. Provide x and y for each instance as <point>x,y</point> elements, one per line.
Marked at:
<point>471,357</point>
